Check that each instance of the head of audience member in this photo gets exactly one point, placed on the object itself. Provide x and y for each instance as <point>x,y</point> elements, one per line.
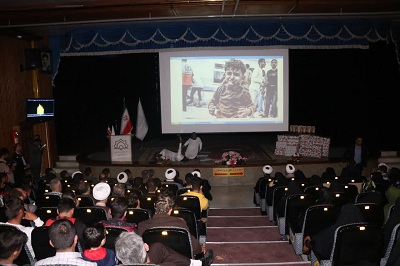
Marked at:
<point>63,237</point>
<point>133,200</point>
<point>315,180</point>
<point>77,177</point>
<point>88,172</point>
<point>18,193</point>
<point>14,209</point>
<point>130,249</point>
<point>188,180</point>
<point>66,207</point>
<point>3,179</point>
<point>164,203</point>
<point>151,186</point>
<point>95,236</point>
<point>55,185</point>
<point>12,240</point>
<point>4,152</point>
<point>138,182</point>
<point>158,181</point>
<point>48,171</point>
<point>119,190</point>
<point>196,172</point>
<point>64,175</point>
<point>84,188</point>
<point>299,176</point>
<point>69,194</point>
<point>280,179</point>
<point>329,174</point>
<point>170,175</point>
<point>129,173</point>
<point>290,169</point>
<point>145,175</point>
<point>394,176</point>
<point>151,173</point>
<point>102,177</point>
<point>325,196</point>
<point>27,189</point>
<point>101,191</point>
<point>196,184</point>
<point>107,172</point>
<point>119,206</point>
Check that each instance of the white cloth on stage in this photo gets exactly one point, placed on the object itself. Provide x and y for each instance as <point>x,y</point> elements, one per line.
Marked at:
<point>173,156</point>
<point>193,147</point>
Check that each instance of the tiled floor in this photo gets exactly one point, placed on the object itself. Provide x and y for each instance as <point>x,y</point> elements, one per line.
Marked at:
<point>232,196</point>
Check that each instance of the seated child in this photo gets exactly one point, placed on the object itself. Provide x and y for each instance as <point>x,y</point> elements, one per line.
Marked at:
<point>95,238</point>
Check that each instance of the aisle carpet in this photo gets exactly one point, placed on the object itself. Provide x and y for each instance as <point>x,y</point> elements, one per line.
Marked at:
<point>244,237</point>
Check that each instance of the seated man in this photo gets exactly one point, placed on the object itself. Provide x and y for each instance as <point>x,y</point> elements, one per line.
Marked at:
<point>130,250</point>
<point>101,191</point>
<point>65,209</point>
<point>163,209</point>
<point>12,241</point>
<point>15,212</point>
<point>119,208</point>
<point>63,238</point>
<point>56,187</point>
<point>197,191</point>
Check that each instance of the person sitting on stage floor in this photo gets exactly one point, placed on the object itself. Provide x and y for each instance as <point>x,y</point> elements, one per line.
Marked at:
<point>205,185</point>
<point>63,238</point>
<point>196,185</point>
<point>171,178</point>
<point>12,241</point>
<point>101,191</point>
<point>131,250</point>
<point>119,208</point>
<point>95,239</point>
<point>163,208</point>
<point>193,146</point>
<point>65,210</point>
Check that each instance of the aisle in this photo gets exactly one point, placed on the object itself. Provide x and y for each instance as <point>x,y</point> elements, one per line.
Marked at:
<point>241,236</point>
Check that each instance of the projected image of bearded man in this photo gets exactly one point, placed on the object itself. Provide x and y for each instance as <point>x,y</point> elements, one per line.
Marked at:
<point>231,99</point>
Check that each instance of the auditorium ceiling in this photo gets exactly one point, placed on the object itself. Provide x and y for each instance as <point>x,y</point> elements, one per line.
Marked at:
<point>46,17</point>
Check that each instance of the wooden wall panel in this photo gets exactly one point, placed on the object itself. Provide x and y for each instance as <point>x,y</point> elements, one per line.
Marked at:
<point>15,87</point>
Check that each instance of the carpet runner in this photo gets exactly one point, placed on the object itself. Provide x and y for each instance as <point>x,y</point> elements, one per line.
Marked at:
<point>244,237</point>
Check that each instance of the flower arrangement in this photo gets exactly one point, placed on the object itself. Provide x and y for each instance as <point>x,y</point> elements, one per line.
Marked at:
<point>231,158</point>
<point>295,157</point>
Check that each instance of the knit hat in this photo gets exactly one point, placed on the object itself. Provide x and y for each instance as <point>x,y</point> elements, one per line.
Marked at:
<point>101,191</point>
<point>290,169</point>
<point>122,178</point>
<point>196,173</point>
<point>170,174</point>
<point>267,169</point>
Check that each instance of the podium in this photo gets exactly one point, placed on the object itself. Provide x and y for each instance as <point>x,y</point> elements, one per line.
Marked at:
<point>121,148</point>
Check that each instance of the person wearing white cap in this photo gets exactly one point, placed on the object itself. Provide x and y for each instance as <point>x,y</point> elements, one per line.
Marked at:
<point>290,169</point>
<point>259,192</point>
<point>101,191</point>
<point>170,178</point>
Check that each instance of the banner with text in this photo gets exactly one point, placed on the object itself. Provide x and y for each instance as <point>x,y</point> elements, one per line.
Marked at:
<point>228,171</point>
<point>121,148</point>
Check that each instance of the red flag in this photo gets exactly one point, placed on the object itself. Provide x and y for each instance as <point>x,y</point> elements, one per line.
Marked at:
<point>108,131</point>
<point>126,123</point>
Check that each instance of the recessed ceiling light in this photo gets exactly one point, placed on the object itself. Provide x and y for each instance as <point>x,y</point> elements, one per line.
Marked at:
<point>19,36</point>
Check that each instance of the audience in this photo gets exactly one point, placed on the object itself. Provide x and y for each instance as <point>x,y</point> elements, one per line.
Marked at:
<point>95,239</point>
<point>63,238</point>
<point>12,241</point>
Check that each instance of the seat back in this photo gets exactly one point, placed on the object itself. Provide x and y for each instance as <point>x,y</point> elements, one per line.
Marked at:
<point>372,213</point>
<point>112,233</point>
<point>25,257</point>
<point>45,213</point>
<point>90,215</point>
<point>357,242</point>
<point>172,187</point>
<point>135,190</point>
<point>319,217</point>
<point>183,190</point>
<point>189,202</point>
<point>40,243</point>
<point>340,199</point>
<point>295,208</point>
<point>313,191</point>
<point>189,217</point>
<point>85,201</point>
<point>278,193</point>
<point>392,258</point>
<point>147,202</point>
<point>176,238</point>
<point>351,191</point>
<point>48,201</point>
<point>137,215</point>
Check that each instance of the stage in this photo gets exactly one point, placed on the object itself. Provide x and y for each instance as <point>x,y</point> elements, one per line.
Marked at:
<point>258,149</point>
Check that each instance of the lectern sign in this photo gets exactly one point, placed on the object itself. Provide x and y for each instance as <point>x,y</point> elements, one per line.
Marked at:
<point>121,148</point>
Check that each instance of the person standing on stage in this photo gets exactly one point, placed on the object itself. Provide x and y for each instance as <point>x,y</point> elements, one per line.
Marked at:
<point>271,94</point>
<point>193,145</point>
<point>35,157</point>
<point>359,153</point>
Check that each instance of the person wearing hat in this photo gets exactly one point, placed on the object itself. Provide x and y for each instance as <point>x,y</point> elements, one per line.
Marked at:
<point>101,191</point>
<point>290,169</point>
<point>259,192</point>
<point>170,178</point>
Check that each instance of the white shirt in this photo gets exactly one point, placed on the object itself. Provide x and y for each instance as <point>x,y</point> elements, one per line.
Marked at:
<point>173,156</point>
<point>193,147</point>
<point>70,258</point>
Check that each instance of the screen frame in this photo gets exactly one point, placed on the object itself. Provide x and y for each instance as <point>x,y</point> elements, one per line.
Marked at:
<point>39,118</point>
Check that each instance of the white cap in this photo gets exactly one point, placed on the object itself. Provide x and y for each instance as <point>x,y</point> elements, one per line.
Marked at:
<point>383,164</point>
<point>76,172</point>
<point>170,174</point>
<point>196,173</point>
<point>290,169</point>
<point>101,191</point>
<point>122,178</point>
<point>267,169</point>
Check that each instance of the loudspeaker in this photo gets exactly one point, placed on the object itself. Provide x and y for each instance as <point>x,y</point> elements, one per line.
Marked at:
<point>32,58</point>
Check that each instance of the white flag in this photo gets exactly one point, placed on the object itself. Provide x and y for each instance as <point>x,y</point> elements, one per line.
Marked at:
<point>141,123</point>
<point>112,131</point>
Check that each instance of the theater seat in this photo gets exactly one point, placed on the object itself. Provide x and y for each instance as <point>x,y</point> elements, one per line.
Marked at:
<point>278,193</point>
<point>137,215</point>
<point>90,215</point>
<point>112,233</point>
<point>189,202</point>
<point>45,213</point>
<point>189,218</point>
<point>85,201</point>
<point>391,257</point>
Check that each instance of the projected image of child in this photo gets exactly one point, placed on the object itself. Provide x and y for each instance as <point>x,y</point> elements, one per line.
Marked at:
<point>231,99</point>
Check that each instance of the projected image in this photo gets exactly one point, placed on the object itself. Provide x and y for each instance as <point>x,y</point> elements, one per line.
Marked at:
<point>244,88</point>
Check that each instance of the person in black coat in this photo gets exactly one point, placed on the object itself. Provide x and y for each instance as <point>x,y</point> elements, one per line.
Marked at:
<point>359,153</point>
